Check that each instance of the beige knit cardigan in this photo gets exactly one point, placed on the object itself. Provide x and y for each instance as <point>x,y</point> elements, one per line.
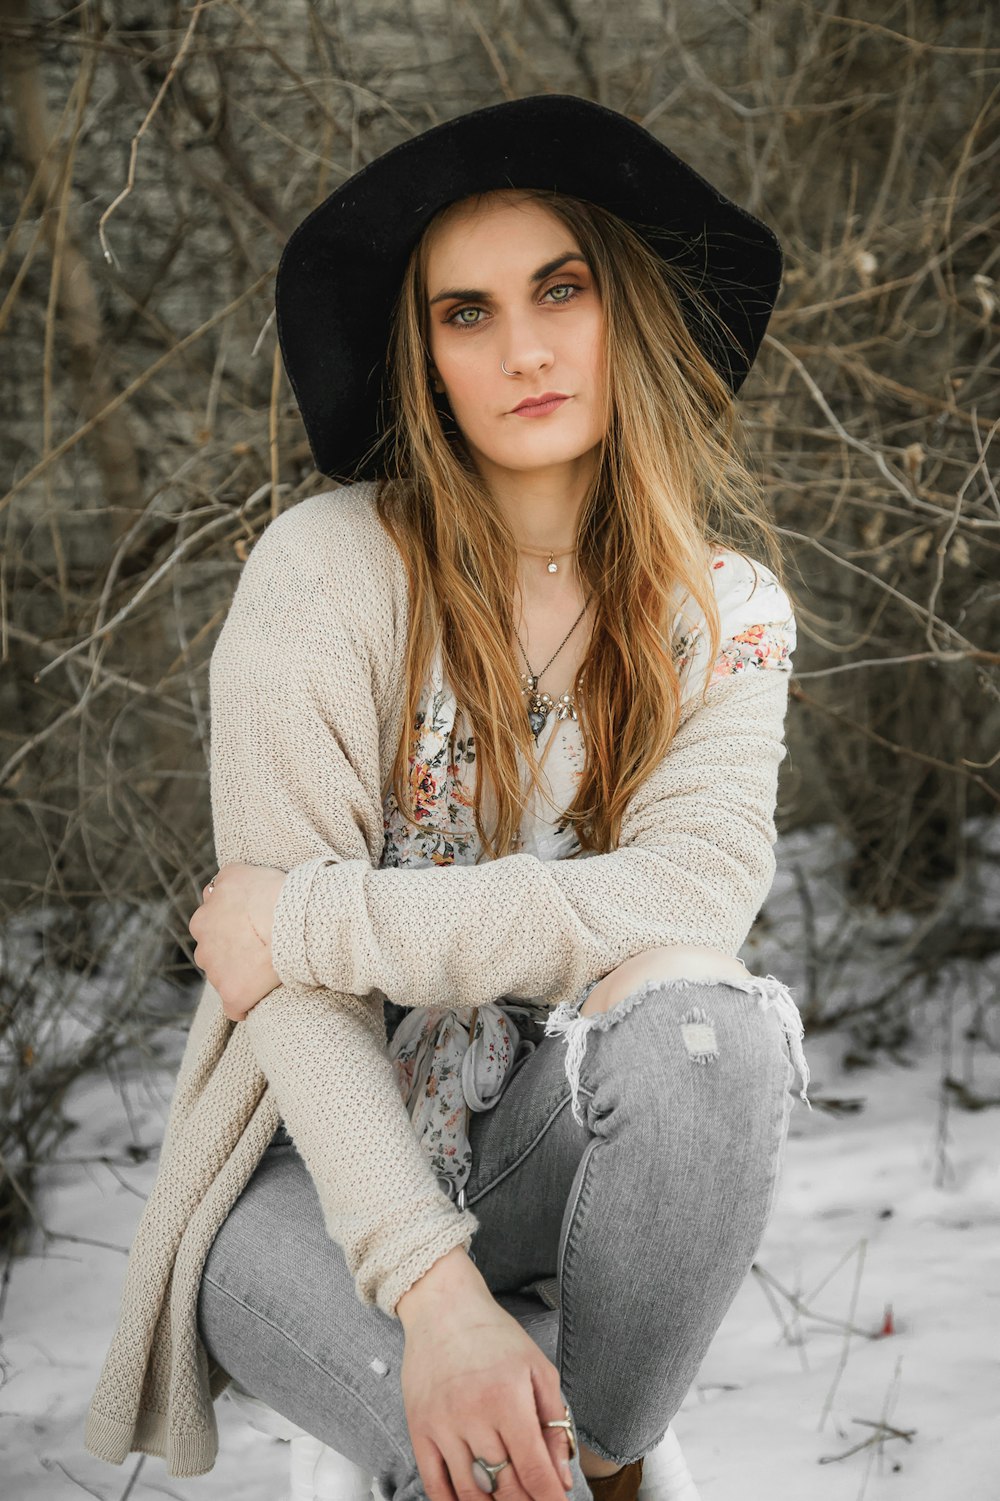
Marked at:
<point>306,686</point>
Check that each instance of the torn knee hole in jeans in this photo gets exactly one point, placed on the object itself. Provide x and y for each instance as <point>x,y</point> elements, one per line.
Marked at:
<point>697,1029</point>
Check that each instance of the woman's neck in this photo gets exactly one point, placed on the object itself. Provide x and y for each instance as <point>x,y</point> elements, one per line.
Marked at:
<point>542,508</point>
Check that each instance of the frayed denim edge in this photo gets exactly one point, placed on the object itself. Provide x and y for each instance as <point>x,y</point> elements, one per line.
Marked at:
<point>565,1020</point>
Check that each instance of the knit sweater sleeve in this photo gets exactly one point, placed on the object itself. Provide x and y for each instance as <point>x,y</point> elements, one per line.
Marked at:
<point>295,770</point>
<point>694,864</point>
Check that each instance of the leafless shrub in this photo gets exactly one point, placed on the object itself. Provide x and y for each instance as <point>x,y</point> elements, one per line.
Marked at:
<point>157,158</point>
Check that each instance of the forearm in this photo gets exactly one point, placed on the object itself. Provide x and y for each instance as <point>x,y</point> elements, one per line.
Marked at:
<point>517,926</point>
<point>322,1055</point>
<point>453,1279</point>
<point>694,867</point>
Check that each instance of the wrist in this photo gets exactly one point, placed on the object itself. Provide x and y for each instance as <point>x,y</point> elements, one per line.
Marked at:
<point>290,923</point>
<point>264,900</point>
<point>454,1279</point>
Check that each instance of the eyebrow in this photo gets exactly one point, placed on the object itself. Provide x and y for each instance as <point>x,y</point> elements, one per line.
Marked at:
<point>476,294</point>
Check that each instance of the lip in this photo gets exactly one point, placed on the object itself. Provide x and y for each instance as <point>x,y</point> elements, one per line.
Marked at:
<point>539,405</point>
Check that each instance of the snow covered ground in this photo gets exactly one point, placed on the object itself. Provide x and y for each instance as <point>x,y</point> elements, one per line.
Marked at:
<point>861,1357</point>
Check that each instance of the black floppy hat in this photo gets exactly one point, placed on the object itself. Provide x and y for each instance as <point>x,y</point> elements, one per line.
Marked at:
<point>342,268</point>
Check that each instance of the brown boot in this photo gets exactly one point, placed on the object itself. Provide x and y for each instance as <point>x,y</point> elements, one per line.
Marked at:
<point>623,1485</point>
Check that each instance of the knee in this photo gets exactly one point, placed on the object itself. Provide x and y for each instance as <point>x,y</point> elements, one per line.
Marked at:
<point>700,963</point>
<point>631,982</point>
<point>685,961</point>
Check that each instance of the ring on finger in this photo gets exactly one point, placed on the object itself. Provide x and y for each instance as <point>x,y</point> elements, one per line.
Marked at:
<point>485,1475</point>
<point>566,1423</point>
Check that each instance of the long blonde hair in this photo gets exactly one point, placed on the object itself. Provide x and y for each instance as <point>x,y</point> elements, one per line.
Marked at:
<point>671,482</point>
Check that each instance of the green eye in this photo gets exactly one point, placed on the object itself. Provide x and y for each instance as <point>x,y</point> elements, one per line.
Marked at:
<point>564,286</point>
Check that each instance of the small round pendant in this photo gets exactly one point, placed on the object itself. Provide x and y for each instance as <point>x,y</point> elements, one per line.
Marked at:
<point>553,567</point>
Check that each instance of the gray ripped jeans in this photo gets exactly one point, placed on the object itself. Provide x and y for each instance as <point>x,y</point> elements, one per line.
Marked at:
<point>636,1214</point>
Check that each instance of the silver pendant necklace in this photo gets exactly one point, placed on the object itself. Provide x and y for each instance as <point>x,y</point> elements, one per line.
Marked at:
<point>541,705</point>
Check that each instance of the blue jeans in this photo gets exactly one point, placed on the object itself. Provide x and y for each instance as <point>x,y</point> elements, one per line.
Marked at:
<point>647,1215</point>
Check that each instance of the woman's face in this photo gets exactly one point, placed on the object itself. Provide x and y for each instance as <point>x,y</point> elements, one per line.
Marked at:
<point>496,294</point>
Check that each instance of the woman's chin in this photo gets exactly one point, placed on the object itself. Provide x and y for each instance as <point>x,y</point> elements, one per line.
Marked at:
<point>528,455</point>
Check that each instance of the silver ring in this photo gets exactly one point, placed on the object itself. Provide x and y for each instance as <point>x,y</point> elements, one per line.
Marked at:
<point>567,1423</point>
<point>480,1467</point>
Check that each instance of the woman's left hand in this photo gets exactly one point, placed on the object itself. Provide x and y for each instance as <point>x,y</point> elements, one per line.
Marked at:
<point>233,932</point>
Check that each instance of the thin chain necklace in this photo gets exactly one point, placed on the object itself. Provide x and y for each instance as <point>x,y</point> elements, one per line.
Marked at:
<point>541,705</point>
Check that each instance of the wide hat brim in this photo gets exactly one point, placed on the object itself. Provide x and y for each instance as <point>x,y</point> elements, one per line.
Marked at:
<point>342,268</point>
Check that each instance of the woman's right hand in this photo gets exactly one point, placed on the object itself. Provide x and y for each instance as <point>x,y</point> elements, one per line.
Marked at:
<point>475,1383</point>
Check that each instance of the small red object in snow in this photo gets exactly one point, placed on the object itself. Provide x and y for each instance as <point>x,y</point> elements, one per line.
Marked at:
<point>888,1327</point>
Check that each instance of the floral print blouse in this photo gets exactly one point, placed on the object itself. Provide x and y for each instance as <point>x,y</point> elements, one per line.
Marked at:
<point>443,1072</point>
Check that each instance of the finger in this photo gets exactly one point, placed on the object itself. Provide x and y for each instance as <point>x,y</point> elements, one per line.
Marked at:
<point>522,1437</point>
<point>232,1009</point>
<point>551,1406</point>
<point>485,1444</point>
<point>434,1473</point>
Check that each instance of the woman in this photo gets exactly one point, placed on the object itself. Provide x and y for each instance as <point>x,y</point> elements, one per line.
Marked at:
<point>495,737</point>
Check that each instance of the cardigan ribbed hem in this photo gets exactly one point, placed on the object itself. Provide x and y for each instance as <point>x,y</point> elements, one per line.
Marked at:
<point>113,1441</point>
<point>458,1230</point>
<point>289,953</point>
<point>107,1438</point>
